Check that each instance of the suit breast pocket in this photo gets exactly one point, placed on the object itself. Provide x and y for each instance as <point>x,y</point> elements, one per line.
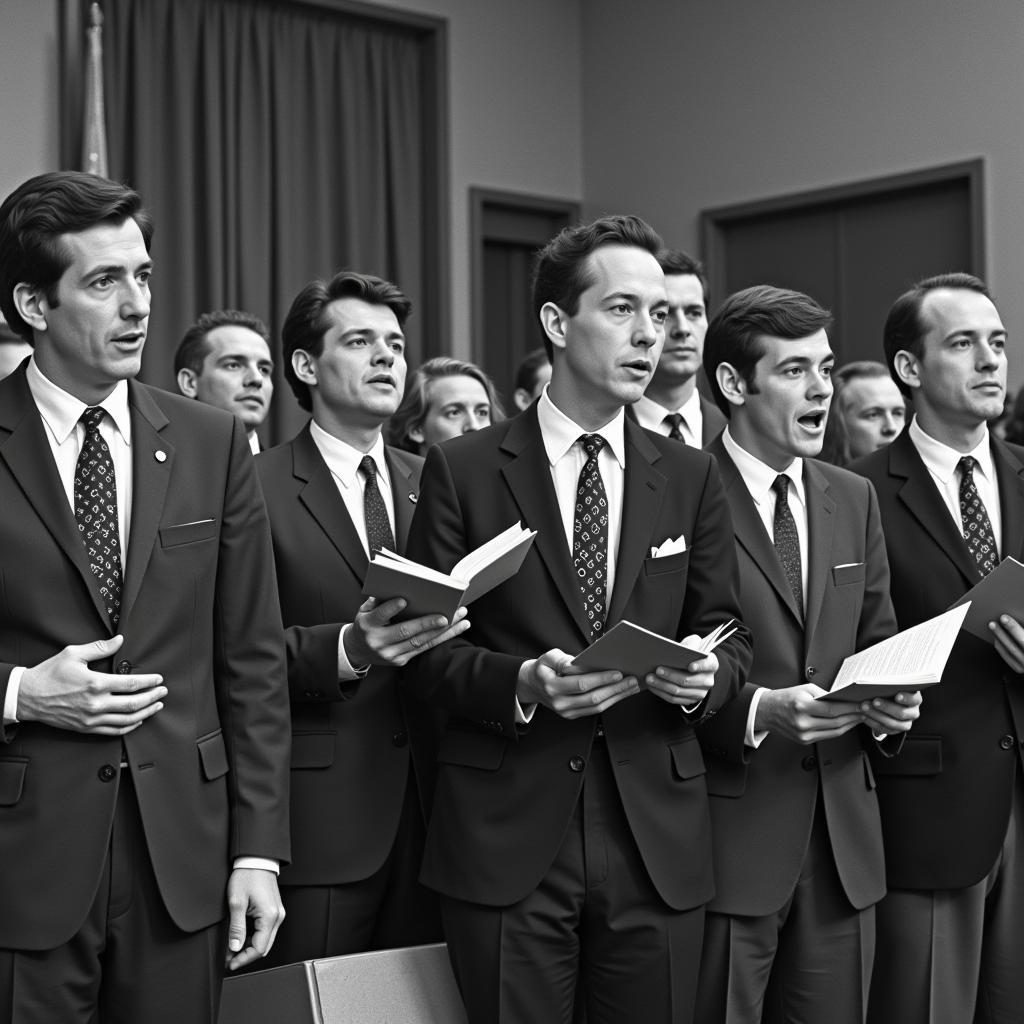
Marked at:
<point>12,779</point>
<point>845,575</point>
<point>472,749</point>
<point>669,563</point>
<point>189,533</point>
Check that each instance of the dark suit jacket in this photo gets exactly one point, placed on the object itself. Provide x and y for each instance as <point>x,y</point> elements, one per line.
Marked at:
<point>946,797</point>
<point>350,742</point>
<point>763,800</point>
<point>713,420</point>
<point>199,606</point>
<point>505,794</point>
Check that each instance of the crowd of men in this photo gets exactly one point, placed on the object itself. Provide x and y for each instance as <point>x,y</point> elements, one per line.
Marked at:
<point>218,752</point>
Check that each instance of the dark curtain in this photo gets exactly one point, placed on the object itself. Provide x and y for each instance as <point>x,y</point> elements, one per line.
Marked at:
<point>273,143</point>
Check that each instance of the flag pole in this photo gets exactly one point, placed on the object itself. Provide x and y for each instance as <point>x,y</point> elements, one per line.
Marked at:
<point>94,137</point>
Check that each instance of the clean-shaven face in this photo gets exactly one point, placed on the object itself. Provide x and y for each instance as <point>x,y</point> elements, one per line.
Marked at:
<point>873,413</point>
<point>685,327</point>
<point>237,374</point>
<point>455,405</point>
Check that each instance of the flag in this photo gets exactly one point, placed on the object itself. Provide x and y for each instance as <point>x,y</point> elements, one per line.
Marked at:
<point>94,136</point>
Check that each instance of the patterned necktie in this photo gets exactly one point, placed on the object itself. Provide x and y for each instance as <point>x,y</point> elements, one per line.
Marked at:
<point>787,542</point>
<point>96,512</point>
<point>375,514</point>
<point>590,534</point>
<point>674,420</point>
<point>977,527</point>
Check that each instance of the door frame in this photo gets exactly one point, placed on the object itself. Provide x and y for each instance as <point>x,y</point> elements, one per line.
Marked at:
<point>715,221</point>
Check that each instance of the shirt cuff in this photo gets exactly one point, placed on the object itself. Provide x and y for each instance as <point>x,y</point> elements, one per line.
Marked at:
<point>752,738</point>
<point>11,697</point>
<point>257,864</point>
<point>524,714</point>
<point>346,672</point>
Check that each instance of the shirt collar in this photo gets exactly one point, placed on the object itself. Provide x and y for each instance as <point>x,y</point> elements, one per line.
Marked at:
<point>560,433</point>
<point>759,476</point>
<point>62,411</point>
<point>942,461</point>
<point>342,459</point>
<point>651,414</point>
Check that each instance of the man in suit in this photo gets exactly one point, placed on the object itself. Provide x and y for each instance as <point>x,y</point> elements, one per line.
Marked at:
<point>356,801</point>
<point>951,497</point>
<point>224,360</point>
<point>569,831</point>
<point>672,405</point>
<point>143,771</point>
<point>797,836</point>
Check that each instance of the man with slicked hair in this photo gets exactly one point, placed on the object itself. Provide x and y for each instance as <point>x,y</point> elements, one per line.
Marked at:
<point>569,834</point>
<point>144,747</point>
<point>951,496</point>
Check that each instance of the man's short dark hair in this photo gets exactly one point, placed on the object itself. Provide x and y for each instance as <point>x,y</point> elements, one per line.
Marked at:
<point>305,325</point>
<point>37,213</point>
<point>194,349</point>
<point>736,331</point>
<point>675,261</point>
<point>560,273</point>
<point>529,369</point>
<point>904,329</point>
<point>413,410</point>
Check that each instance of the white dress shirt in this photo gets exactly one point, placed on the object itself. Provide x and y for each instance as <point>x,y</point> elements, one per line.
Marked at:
<point>343,462</point>
<point>759,478</point>
<point>941,461</point>
<point>254,443</point>
<point>651,415</point>
<point>60,413</point>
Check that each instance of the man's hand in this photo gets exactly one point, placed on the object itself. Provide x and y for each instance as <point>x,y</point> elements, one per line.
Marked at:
<point>65,693</point>
<point>252,895</point>
<point>794,713</point>
<point>892,716</point>
<point>1009,636</point>
<point>373,639</point>
<point>685,687</point>
<point>552,680</point>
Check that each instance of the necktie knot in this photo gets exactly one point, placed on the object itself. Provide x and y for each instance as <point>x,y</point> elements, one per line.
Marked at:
<point>368,467</point>
<point>592,444</point>
<point>967,464</point>
<point>675,421</point>
<point>781,487</point>
<point>92,418</point>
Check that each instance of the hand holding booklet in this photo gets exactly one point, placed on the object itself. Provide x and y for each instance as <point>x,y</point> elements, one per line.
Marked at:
<point>908,661</point>
<point>636,651</point>
<point>1001,592</point>
<point>431,592</point>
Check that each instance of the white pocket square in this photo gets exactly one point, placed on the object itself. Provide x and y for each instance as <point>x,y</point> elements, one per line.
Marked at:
<point>669,547</point>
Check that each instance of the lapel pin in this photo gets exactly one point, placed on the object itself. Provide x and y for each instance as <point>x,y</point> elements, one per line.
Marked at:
<point>160,455</point>
<point>412,497</point>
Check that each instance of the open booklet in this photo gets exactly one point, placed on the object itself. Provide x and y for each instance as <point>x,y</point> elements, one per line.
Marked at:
<point>431,592</point>
<point>908,661</point>
<point>1001,592</point>
<point>636,651</point>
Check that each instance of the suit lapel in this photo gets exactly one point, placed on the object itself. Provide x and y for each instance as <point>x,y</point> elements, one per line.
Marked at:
<point>922,499</point>
<point>405,491</point>
<point>30,460</point>
<point>750,532</point>
<point>1010,474</point>
<point>528,476</point>
<point>821,526</point>
<point>151,474</point>
<point>319,493</point>
<point>643,491</point>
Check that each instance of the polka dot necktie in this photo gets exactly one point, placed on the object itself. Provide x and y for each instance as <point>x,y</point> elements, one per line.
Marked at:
<point>674,421</point>
<point>590,534</point>
<point>96,511</point>
<point>787,542</point>
<point>977,526</point>
<point>375,513</point>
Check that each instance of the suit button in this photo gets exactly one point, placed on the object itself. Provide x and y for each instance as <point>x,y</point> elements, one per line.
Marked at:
<point>124,667</point>
<point>399,739</point>
<point>809,763</point>
<point>810,671</point>
<point>577,764</point>
<point>107,773</point>
<point>1007,743</point>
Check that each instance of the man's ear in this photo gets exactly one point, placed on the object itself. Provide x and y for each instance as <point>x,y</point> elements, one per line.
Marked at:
<point>554,321</point>
<point>188,382</point>
<point>731,383</point>
<point>31,305</point>
<point>304,366</point>
<point>908,368</point>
